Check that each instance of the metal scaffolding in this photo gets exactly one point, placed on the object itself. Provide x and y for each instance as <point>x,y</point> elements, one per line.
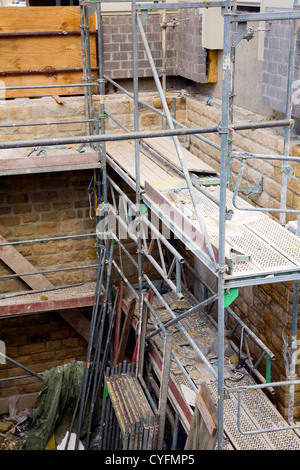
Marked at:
<point>177,273</point>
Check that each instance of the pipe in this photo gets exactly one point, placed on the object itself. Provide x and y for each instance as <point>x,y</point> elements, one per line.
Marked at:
<point>48,271</point>
<point>180,5</point>
<point>289,105</point>
<point>20,294</point>
<point>41,87</point>
<point>129,136</point>
<point>33,34</point>
<point>164,386</point>
<point>38,240</point>
<point>30,124</point>
<point>222,218</point>
<point>138,190</point>
<point>21,366</point>
<point>46,71</point>
<point>177,144</point>
<point>293,356</point>
<point>183,315</point>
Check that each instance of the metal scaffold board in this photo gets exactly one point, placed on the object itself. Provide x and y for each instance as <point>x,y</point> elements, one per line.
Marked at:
<point>23,161</point>
<point>135,416</point>
<point>21,303</point>
<point>257,411</point>
<point>254,243</point>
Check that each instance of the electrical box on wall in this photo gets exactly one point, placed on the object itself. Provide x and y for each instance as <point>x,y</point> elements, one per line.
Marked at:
<point>212,28</point>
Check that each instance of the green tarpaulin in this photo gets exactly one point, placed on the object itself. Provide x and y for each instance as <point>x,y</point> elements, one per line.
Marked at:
<point>55,406</point>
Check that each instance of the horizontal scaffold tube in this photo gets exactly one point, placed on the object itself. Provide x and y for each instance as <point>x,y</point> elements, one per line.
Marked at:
<point>135,135</point>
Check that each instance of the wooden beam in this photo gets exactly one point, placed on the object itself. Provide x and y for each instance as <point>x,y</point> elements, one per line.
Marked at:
<point>17,263</point>
<point>125,332</point>
<point>203,430</point>
<point>23,19</point>
<point>49,161</point>
<point>118,322</point>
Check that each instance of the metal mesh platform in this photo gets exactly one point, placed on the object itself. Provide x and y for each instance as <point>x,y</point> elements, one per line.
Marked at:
<point>257,411</point>
<point>47,300</point>
<point>266,247</point>
<point>137,425</point>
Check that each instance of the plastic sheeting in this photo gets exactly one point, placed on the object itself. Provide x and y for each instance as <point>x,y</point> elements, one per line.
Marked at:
<point>55,406</point>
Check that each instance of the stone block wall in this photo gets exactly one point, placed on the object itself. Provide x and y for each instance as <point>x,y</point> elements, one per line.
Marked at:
<point>192,56</point>
<point>276,68</point>
<point>185,55</point>
<point>117,43</point>
<point>38,342</point>
<point>47,205</point>
<point>266,309</point>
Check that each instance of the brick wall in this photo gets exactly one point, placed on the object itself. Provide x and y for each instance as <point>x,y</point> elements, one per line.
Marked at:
<point>117,46</point>
<point>185,55</point>
<point>45,206</point>
<point>266,309</point>
<point>192,56</point>
<point>56,204</point>
<point>38,342</point>
<point>276,67</point>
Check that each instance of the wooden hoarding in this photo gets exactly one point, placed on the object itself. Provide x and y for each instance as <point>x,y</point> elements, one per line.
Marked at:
<point>42,46</point>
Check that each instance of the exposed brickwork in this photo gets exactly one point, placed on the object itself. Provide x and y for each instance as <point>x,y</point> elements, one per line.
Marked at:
<point>39,343</point>
<point>51,205</point>
<point>117,41</point>
<point>192,55</point>
<point>185,55</point>
<point>56,204</point>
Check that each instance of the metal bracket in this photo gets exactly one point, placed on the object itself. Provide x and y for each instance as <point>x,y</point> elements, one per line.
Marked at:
<point>173,23</point>
<point>288,170</point>
<point>144,15</point>
<point>91,10</point>
<point>251,190</point>
<point>230,295</point>
<point>238,256</point>
<point>242,33</point>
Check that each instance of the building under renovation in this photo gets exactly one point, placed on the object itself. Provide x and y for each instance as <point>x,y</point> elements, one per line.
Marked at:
<point>149,225</point>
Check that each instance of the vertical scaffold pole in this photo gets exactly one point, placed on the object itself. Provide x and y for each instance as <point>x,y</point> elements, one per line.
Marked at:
<point>137,165</point>
<point>206,240</point>
<point>289,105</point>
<point>226,74</point>
<point>101,179</point>
<point>293,355</point>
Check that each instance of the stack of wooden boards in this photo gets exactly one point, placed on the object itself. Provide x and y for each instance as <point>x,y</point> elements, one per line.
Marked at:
<point>36,52</point>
